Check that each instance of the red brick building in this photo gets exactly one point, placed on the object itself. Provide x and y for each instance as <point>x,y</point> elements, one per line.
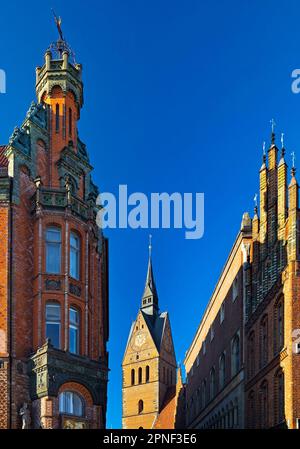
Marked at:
<point>244,362</point>
<point>53,263</point>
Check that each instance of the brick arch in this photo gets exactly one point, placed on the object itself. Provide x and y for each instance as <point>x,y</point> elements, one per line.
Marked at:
<point>25,170</point>
<point>56,91</point>
<point>77,388</point>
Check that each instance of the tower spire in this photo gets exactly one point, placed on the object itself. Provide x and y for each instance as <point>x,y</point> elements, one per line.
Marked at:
<point>150,297</point>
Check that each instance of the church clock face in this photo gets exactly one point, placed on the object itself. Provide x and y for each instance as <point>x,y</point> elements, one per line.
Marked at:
<point>139,340</point>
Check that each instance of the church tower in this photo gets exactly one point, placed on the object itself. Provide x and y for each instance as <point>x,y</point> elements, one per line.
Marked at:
<point>149,364</point>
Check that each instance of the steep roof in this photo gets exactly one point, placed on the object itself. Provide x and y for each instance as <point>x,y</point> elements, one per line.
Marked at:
<point>156,326</point>
<point>3,158</point>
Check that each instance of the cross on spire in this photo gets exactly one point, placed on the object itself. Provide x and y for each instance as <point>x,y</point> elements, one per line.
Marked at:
<point>150,246</point>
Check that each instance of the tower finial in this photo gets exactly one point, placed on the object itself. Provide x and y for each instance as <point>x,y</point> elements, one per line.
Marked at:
<point>255,203</point>
<point>273,124</point>
<point>264,151</point>
<point>293,171</point>
<point>282,145</point>
<point>150,246</point>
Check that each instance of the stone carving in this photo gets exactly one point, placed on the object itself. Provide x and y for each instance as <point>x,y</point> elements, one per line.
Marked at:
<point>52,284</point>
<point>25,416</point>
<point>75,289</point>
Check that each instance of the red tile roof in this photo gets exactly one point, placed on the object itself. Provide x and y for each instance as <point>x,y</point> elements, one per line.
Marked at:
<point>3,159</point>
<point>166,418</point>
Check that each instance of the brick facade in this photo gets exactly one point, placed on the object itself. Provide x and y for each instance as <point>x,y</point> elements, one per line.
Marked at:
<point>45,181</point>
<point>263,269</point>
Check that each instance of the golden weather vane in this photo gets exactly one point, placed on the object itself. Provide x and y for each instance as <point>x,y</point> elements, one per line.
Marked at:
<point>58,22</point>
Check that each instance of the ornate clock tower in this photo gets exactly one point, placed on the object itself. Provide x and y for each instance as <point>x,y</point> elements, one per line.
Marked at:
<point>149,364</point>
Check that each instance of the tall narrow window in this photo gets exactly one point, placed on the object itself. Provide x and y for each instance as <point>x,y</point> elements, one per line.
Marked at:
<point>279,396</point>
<point>57,118</point>
<point>74,256</point>
<point>222,371</point>
<point>264,341</point>
<point>74,331</point>
<point>252,411</point>
<point>70,122</point>
<point>140,375</point>
<point>235,355</point>
<point>279,330</point>
<point>132,377</point>
<point>251,355</point>
<point>203,394</point>
<point>212,383</point>
<point>53,323</point>
<point>147,373</point>
<point>264,410</point>
<point>53,250</point>
<point>140,406</point>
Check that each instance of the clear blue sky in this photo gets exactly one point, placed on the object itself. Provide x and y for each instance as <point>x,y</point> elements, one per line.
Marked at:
<point>178,97</point>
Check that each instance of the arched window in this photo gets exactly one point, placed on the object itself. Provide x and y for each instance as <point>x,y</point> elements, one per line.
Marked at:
<point>132,377</point>
<point>251,355</point>
<point>279,396</point>
<point>140,375</point>
<point>147,373</point>
<point>235,355</point>
<point>53,250</point>
<point>53,323</point>
<point>222,371</point>
<point>264,341</point>
<point>57,118</point>
<point>74,256</point>
<point>203,394</point>
<point>70,122</point>
<point>74,333</point>
<point>212,389</point>
<point>140,406</point>
<point>71,403</point>
<point>278,327</point>
<point>264,409</point>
